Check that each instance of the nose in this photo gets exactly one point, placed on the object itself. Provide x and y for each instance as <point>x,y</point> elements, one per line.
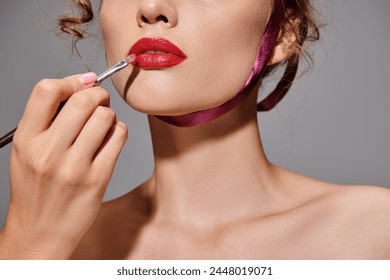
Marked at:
<point>157,11</point>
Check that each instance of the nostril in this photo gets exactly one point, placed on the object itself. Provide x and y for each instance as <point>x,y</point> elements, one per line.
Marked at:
<point>144,19</point>
<point>157,19</point>
<point>162,18</point>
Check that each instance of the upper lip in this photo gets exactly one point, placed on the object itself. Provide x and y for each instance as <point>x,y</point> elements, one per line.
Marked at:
<point>156,44</point>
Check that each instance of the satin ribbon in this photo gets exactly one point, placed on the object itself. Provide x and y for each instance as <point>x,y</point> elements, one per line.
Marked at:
<point>263,54</point>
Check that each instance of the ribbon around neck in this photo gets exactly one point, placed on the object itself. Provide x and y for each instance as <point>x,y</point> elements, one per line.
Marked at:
<point>263,54</point>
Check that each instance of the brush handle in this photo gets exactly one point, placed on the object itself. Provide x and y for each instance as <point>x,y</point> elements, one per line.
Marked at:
<point>111,71</point>
<point>6,139</point>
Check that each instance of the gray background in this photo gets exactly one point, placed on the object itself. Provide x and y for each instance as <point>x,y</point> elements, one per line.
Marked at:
<point>333,125</point>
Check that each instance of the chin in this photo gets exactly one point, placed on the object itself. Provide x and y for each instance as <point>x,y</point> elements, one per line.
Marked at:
<point>162,100</point>
<point>161,103</point>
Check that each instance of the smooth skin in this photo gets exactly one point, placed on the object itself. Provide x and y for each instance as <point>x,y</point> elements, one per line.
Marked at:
<point>213,193</point>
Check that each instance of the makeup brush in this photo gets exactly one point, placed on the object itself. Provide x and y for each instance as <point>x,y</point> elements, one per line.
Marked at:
<point>4,140</point>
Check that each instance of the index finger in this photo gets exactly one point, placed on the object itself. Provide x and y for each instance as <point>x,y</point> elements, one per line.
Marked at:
<point>46,97</point>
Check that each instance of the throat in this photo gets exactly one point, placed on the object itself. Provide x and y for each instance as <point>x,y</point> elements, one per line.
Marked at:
<point>201,180</point>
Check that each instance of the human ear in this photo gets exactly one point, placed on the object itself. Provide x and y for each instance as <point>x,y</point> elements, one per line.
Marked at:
<point>286,44</point>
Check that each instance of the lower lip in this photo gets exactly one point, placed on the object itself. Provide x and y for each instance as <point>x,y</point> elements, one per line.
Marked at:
<point>158,60</point>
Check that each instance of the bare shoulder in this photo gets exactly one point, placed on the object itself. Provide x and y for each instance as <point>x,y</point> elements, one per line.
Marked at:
<point>352,218</point>
<point>370,202</point>
<point>360,217</point>
<point>363,197</point>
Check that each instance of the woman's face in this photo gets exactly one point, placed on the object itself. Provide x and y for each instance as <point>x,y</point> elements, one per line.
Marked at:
<point>219,39</point>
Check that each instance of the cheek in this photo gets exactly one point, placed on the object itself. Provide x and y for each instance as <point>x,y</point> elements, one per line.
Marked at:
<point>117,23</point>
<point>110,30</point>
<point>228,39</point>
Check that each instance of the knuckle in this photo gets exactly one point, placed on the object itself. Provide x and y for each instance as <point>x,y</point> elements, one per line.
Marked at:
<point>18,142</point>
<point>102,95</point>
<point>72,175</point>
<point>99,179</point>
<point>45,87</point>
<point>105,95</point>
<point>105,113</point>
<point>41,166</point>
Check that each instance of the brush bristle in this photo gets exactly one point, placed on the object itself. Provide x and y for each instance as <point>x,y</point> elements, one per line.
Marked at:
<point>130,58</point>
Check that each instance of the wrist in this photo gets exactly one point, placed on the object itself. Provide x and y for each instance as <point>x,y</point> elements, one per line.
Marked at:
<point>33,246</point>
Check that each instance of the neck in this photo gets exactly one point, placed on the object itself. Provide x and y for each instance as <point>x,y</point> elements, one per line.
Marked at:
<point>213,173</point>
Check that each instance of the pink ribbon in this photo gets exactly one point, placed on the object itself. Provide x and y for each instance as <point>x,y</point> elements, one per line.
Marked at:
<point>264,52</point>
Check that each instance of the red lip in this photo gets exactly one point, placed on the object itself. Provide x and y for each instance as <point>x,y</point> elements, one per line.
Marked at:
<point>161,53</point>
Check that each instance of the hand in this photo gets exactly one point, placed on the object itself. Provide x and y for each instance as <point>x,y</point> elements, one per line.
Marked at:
<point>60,168</point>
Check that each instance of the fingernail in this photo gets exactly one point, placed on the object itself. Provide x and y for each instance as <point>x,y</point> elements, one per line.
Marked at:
<point>88,78</point>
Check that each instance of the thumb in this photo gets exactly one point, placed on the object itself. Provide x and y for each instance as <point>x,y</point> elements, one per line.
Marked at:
<point>81,81</point>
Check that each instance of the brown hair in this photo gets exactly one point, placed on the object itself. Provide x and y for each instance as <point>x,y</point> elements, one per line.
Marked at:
<point>299,21</point>
<point>70,24</point>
